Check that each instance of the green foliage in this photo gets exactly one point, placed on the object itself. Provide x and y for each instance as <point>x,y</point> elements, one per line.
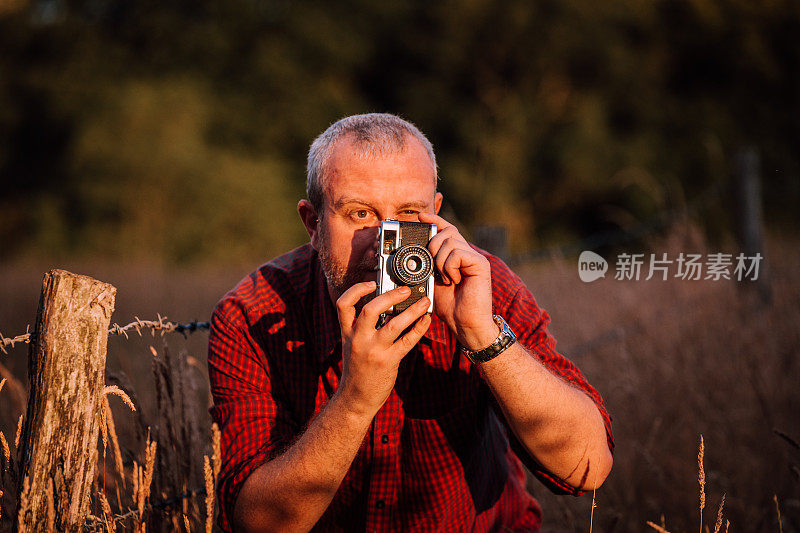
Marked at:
<point>179,129</point>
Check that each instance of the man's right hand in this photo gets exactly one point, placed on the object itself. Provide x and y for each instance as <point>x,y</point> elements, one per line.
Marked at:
<point>292,491</point>
<point>371,357</point>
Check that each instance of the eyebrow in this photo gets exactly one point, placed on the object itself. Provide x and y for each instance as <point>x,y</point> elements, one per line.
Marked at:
<point>419,205</point>
<point>351,200</point>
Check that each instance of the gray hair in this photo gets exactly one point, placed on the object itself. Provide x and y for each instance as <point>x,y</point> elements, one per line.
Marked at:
<point>374,134</point>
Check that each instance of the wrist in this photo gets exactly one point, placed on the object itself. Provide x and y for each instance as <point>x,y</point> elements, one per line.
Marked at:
<point>351,406</point>
<point>500,344</point>
<point>478,338</point>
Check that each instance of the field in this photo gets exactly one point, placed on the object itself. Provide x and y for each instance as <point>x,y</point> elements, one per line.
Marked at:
<point>673,359</point>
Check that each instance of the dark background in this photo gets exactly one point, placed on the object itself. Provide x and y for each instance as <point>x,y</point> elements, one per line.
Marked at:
<point>177,131</point>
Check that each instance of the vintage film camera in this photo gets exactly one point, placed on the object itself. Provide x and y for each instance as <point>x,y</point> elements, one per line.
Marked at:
<point>404,259</point>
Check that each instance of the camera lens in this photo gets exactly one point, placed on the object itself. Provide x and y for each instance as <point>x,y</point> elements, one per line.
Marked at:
<point>412,264</point>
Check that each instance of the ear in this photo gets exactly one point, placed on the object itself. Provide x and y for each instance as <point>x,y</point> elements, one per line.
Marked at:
<point>310,220</point>
<point>437,202</point>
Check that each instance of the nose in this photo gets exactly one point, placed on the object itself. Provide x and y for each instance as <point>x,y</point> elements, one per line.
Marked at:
<point>367,239</point>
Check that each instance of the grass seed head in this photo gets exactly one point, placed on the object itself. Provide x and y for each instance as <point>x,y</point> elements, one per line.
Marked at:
<point>718,525</point>
<point>701,478</point>
<point>209,494</point>
<point>6,450</point>
<point>19,432</point>
<point>115,390</point>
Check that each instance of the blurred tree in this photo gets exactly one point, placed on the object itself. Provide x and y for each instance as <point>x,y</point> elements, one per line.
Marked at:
<point>178,130</point>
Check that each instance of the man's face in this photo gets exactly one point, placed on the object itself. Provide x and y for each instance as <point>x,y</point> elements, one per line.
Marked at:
<point>360,192</point>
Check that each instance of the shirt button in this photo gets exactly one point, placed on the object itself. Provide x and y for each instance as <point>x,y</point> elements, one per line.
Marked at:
<point>379,504</point>
<point>385,439</point>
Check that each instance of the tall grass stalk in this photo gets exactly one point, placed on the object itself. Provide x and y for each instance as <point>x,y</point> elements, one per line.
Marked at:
<point>701,478</point>
<point>718,525</point>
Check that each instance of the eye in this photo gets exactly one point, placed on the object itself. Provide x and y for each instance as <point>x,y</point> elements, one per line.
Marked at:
<point>360,214</point>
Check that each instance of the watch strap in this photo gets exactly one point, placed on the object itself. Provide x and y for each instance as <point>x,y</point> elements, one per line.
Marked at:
<point>505,339</point>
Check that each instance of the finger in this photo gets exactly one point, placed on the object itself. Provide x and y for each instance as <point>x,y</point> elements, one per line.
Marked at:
<point>346,304</point>
<point>382,303</point>
<point>450,267</point>
<point>462,262</point>
<point>444,252</point>
<point>438,239</point>
<point>394,327</point>
<point>404,344</point>
<point>430,218</point>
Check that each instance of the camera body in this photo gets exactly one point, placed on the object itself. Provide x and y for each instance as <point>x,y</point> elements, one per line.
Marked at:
<point>404,260</point>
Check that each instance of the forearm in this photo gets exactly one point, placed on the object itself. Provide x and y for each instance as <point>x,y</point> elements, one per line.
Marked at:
<point>558,423</point>
<point>292,491</point>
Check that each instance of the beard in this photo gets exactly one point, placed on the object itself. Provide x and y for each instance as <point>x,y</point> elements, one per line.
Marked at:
<point>342,277</point>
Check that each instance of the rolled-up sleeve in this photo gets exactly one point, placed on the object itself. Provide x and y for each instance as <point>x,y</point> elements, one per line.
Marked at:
<point>529,322</point>
<point>254,424</point>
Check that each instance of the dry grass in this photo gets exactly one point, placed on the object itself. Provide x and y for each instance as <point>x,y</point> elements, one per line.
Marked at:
<point>209,478</point>
<point>19,431</point>
<point>6,450</point>
<point>718,523</point>
<point>701,479</point>
<point>657,527</point>
<point>113,389</point>
<point>673,360</point>
<point>110,429</point>
<point>148,486</point>
<point>778,510</point>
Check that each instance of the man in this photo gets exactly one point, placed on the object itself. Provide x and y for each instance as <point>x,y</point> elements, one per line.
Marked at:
<point>331,424</point>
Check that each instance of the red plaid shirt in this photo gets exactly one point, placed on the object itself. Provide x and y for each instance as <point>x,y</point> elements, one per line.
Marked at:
<point>438,455</point>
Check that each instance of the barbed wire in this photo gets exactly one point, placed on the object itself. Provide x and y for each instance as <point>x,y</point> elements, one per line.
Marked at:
<point>162,325</point>
<point>656,223</point>
<point>24,338</point>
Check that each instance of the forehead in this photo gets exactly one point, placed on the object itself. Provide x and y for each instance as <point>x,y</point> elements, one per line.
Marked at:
<point>391,174</point>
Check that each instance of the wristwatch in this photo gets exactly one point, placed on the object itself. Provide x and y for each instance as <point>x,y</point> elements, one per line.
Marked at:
<point>503,341</point>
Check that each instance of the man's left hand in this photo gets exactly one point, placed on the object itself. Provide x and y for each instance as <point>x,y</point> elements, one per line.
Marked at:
<point>463,292</point>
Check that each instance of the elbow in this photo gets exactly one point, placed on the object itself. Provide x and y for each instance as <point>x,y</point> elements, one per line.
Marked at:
<point>253,513</point>
<point>594,467</point>
<point>259,521</point>
<point>597,470</point>
<point>600,459</point>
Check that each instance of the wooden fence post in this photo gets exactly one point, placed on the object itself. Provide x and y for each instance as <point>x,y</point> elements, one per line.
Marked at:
<point>750,214</point>
<point>66,369</point>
